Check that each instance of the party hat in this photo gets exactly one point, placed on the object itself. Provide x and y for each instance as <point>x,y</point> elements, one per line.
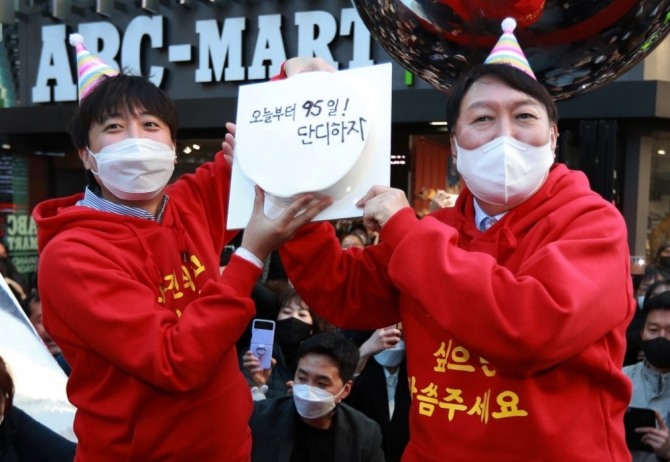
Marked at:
<point>507,50</point>
<point>90,68</point>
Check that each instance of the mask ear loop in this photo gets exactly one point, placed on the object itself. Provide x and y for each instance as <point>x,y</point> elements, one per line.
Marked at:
<point>93,161</point>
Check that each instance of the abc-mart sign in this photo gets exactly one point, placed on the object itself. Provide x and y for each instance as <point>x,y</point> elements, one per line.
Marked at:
<point>195,58</point>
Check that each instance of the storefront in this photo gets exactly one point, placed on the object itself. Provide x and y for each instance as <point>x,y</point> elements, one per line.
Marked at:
<point>200,52</point>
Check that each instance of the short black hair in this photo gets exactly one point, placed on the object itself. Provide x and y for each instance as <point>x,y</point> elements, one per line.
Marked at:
<point>660,301</point>
<point>121,94</point>
<point>334,345</point>
<point>509,75</point>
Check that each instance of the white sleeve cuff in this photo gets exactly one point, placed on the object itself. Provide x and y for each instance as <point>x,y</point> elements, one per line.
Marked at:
<point>248,256</point>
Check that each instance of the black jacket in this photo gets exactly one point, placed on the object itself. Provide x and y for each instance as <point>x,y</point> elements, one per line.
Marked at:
<point>24,439</point>
<point>357,438</point>
<point>369,395</point>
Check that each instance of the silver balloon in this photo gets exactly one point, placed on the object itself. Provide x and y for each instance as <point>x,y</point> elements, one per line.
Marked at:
<point>573,46</point>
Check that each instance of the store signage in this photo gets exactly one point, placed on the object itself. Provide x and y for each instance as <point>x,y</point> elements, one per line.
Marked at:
<point>234,49</point>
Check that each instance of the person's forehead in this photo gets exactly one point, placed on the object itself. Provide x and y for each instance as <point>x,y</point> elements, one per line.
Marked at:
<point>488,91</point>
<point>319,365</point>
<point>36,305</point>
<point>127,114</point>
<point>295,304</point>
<point>352,237</point>
<point>659,316</point>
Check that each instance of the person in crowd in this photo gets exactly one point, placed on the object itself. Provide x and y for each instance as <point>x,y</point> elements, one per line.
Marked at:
<point>294,324</point>
<point>352,240</point>
<point>22,438</point>
<point>32,307</point>
<point>131,287</point>
<point>659,270</point>
<point>381,389</point>
<point>651,376</point>
<point>512,327</point>
<point>352,231</point>
<point>634,352</point>
<point>313,424</point>
<point>11,274</point>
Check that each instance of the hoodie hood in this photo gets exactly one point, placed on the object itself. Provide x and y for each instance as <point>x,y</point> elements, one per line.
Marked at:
<point>54,216</point>
<point>562,187</point>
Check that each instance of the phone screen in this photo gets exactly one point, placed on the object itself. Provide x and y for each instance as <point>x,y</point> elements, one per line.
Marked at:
<point>636,417</point>
<point>262,338</point>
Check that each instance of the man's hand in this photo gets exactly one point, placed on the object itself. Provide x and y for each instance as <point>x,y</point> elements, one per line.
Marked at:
<point>298,65</point>
<point>263,235</point>
<point>228,145</point>
<point>380,340</point>
<point>380,204</point>
<point>657,437</point>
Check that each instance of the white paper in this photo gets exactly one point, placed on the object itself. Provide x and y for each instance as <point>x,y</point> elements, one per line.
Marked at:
<point>362,97</point>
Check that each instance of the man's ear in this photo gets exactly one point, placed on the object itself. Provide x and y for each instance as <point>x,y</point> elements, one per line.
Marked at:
<point>85,157</point>
<point>454,152</point>
<point>346,390</point>
<point>553,134</point>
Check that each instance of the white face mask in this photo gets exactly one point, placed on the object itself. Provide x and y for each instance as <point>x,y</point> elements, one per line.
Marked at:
<point>391,357</point>
<point>504,171</point>
<point>312,402</point>
<point>135,169</point>
<point>640,301</point>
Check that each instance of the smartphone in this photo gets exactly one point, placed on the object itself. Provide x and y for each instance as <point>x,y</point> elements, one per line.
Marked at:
<point>262,338</point>
<point>226,254</point>
<point>636,417</point>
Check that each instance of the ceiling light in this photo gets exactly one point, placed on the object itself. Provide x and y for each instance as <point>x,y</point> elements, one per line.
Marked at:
<point>661,152</point>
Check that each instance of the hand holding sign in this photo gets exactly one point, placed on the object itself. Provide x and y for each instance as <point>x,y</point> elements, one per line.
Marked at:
<point>327,134</point>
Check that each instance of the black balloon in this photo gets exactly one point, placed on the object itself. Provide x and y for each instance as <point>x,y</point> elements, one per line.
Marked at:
<point>573,46</point>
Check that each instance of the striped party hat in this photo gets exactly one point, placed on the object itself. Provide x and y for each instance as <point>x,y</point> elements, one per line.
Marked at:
<point>90,68</point>
<point>507,50</point>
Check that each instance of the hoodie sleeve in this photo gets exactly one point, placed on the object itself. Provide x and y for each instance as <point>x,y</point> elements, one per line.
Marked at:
<point>349,288</point>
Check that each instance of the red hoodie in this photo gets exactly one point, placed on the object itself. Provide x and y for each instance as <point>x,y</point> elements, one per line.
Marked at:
<point>148,324</point>
<point>515,337</point>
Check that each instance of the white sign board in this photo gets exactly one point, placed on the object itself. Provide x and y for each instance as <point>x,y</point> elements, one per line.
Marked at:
<point>317,132</point>
<point>38,379</point>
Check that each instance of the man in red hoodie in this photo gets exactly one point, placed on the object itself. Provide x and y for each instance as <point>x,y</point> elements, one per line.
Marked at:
<point>131,288</point>
<point>514,302</point>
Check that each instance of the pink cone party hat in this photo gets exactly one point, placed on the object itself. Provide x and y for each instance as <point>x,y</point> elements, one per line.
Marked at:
<point>507,50</point>
<point>90,68</point>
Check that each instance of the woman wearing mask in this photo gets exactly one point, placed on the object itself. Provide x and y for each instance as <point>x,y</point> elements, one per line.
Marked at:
<point>295,323</point>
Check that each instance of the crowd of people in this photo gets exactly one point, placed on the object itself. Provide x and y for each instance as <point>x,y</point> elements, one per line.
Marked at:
<point>483,331</point>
